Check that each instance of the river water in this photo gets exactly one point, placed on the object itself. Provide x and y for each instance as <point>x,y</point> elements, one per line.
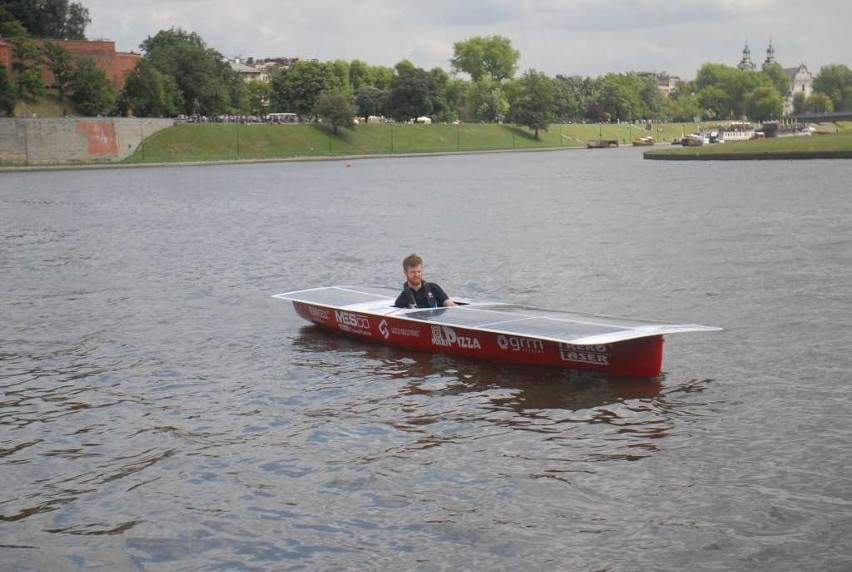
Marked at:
<point>161,412</point>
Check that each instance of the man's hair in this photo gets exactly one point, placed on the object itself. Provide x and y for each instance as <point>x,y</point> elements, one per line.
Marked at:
<point>411,261</point>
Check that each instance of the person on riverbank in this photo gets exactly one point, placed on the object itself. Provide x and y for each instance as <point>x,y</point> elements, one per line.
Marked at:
<point>417,293</point>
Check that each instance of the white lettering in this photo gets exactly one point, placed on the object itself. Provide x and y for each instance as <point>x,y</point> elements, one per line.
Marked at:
<point>446,337</point>
<point>348,320</point>
<point>320,313</point>
<point>598,354</point>
<point>529,345</point>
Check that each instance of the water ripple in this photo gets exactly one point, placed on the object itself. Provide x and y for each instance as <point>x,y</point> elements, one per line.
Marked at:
<point>160,411</point>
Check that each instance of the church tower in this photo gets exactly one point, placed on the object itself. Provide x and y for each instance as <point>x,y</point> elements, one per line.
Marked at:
<point>770,55</point>
<point>746,64</point>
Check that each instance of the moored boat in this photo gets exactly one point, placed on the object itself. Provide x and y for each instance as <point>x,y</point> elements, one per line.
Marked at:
<point>507,333</point>
<point>646,141</point>
<point>601,143</point>
<point>694,140</point>
<point>736,131</point>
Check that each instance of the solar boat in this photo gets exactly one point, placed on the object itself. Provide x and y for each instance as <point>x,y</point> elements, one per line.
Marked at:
<point>507,333</point>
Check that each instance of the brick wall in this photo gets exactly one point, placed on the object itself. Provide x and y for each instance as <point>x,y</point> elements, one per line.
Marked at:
<point>115,64</point>
<point>5,54</point>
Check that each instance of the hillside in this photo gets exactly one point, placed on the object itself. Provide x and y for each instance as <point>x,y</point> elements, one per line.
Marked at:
<point>47,106</point>
<point>230,141</point>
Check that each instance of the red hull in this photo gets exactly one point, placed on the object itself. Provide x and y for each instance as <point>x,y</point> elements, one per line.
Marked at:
<point>640,357</point>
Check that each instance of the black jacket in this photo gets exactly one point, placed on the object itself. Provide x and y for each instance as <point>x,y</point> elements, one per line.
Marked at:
<point>408,298</point>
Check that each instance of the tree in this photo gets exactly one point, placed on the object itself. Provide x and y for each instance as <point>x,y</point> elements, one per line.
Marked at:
<point>297,90</point>
<point>413,93</point>
<point>835,81</point>
<point>59,19</point>
<point>21,12</point>
<point>778,77</point>
<point>60,63</point>
<point>76,22</point>
<point>715,102</point>
<point>205,80</point>
<point>149,93</point>
<point>335,108</point>
<point>567,103</point>
<point>92,91</point>
<point>8,93</point>
<point>456,92</point>
<point>574,94</point>
<point>652,99</point>
<point>490,104</point>
<point>763,103</point>
<point>683,108</point>
<point>258,93</point>
<point>360,75</point>
<point>480,57</point>
<point>340,70</point>
<point>27,60</point>
<point>818,103</point>
<point>382,77</point>
<point>369,101</point>
<point>443,108</point>
<point>536,106</point>
<point>621,97</point>
<point>799,102</point>
<point>722,89</point>
<point>49,18</point>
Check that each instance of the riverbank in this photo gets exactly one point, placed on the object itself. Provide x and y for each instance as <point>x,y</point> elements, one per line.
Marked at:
<point>192,144</point>
<point>210,142</point>
<point>240,142</point>
<point>825,146</point>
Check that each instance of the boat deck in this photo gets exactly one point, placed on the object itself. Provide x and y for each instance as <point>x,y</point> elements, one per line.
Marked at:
<point>510,319</point>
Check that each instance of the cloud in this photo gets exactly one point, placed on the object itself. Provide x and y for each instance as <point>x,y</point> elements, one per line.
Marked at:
<point>586,37</point>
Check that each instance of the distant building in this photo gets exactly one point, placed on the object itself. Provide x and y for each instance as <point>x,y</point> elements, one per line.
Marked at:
<point>665,83</point>
<point>801,80</point>
<point>247,72</point>
<point>269,64</point>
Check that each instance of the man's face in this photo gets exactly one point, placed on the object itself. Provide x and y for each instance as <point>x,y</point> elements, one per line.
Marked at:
<point>414,275</point>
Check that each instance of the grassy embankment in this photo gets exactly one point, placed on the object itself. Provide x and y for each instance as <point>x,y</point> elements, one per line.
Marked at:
<point>228,142</point>
<point>47,106</point>
<point>822,146</point>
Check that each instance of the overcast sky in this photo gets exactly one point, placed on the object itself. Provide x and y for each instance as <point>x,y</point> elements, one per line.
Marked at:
<point>572,37</point>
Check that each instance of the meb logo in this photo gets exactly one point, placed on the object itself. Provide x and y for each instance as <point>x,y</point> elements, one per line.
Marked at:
<point>383,328</point>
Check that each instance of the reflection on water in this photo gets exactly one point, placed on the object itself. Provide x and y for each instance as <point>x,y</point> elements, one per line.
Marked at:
<point>533,387</point>
<point>626,416</point>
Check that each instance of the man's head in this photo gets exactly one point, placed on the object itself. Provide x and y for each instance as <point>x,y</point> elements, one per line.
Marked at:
<point>412,266</point>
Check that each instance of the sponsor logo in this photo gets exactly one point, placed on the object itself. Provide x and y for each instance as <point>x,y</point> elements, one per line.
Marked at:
<point>407,332</point>
<point>386,330</point>
<point>354,323</point>
<point>598,354</point>
<point>320,313</point>
<point>528,345</point>
<point>445,336</point>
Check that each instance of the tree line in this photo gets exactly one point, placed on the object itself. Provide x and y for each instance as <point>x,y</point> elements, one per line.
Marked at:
<point>179,74</point>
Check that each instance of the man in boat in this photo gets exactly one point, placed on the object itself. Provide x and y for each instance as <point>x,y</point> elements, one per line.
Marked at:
<point>416,293</point>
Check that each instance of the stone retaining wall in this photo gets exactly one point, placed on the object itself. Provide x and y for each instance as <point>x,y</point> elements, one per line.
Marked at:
<point>57,141</point>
